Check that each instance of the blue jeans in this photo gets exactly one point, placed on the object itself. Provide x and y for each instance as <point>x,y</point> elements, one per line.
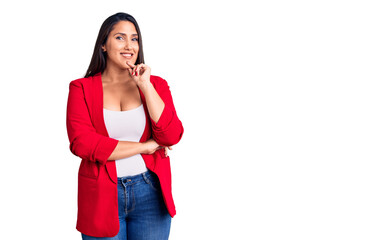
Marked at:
<point>142,212</point>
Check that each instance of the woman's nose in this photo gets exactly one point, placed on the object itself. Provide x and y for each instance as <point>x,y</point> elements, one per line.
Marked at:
<point>127,44</point>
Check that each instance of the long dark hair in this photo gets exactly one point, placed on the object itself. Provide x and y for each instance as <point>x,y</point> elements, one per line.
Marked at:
<point>98,60</point>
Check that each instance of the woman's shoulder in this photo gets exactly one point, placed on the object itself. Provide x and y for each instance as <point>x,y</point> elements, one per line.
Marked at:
<point>82,81</point>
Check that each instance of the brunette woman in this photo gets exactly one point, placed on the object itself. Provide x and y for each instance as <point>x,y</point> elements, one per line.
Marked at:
<point>120,121</point>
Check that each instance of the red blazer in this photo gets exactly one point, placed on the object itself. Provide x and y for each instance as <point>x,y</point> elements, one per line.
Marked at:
<point>89,140</point>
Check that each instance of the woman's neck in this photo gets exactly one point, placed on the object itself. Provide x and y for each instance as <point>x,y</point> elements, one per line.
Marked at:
<point>114,75</point>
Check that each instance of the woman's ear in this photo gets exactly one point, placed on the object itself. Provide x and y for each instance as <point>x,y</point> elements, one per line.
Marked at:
<point>103,48</point>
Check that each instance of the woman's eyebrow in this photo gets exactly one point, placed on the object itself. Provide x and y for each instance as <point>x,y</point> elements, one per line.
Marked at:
<point>124,34</point>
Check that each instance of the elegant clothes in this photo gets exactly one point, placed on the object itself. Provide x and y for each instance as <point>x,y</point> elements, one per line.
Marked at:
<point>89,140</point>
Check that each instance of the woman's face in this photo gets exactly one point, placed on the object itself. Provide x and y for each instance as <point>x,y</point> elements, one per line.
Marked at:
<point>122,45</point>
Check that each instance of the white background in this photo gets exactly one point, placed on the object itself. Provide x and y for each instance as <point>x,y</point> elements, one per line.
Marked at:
<point>277,99</point>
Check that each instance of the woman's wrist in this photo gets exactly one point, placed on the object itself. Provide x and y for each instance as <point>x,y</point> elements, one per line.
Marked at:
<point>143,148</point>
<point>145,87</point>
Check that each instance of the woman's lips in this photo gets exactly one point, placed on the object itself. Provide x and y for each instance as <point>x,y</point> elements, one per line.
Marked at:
<point>127,55</point>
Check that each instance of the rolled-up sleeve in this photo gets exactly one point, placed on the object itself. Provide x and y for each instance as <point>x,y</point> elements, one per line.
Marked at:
<point>85,142</point>
<point>168,130</point>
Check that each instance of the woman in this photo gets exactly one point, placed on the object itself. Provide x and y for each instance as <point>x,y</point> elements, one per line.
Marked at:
<point>120,121</point>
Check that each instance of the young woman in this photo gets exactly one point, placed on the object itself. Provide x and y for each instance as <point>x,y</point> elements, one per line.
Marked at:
<point>120,121</point>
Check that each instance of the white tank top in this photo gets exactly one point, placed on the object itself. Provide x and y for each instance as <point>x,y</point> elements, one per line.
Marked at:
<point>127,126</point>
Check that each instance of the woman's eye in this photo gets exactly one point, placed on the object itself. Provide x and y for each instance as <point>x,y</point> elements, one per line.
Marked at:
<point>119,38</point>
<point>135,39</point>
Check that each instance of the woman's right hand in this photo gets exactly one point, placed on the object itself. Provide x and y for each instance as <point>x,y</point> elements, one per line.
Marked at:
<point>150,146</point>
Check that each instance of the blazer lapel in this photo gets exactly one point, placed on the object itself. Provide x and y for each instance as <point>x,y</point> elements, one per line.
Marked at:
<point>98,120</point>
<point>148,158</point>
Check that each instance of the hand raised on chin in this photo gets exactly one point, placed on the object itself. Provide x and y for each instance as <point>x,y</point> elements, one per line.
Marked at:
<point>140,73</point>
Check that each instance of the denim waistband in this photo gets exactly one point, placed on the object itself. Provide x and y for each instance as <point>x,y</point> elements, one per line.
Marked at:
<point>136,178</point>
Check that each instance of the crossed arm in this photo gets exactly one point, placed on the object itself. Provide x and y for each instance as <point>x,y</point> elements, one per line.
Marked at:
<point>167,129</point>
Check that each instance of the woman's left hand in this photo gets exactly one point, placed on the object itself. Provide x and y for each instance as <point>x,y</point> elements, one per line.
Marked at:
<point>140,73</point>
<point>166,150</point>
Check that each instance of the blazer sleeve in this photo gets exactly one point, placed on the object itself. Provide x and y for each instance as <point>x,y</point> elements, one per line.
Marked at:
<point>85,142</point>
<point>168,130</point>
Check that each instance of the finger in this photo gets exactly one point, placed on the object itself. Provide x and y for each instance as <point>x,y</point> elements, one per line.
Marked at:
<point>137,70</point>
<point>142,69</point>
<point>169,147</point>
<point>130,71</point>
<point>130,64</point>
<point>134,70</point>
<point>166,151</point>
<point>131,68</point>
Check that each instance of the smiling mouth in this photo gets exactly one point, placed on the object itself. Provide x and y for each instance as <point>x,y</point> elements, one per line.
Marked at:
<point>127,55</point>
